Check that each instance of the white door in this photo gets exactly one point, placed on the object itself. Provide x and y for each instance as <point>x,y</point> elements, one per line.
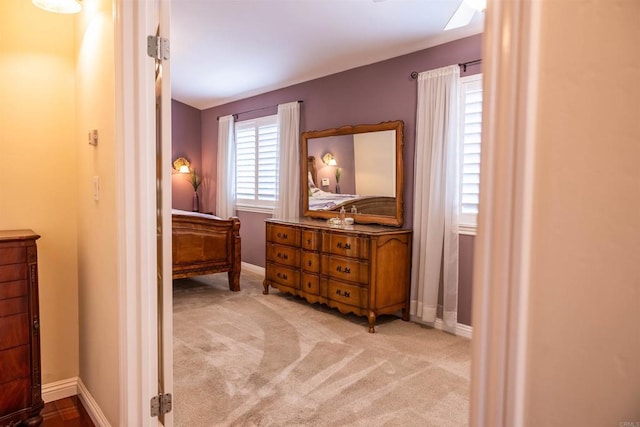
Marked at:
<point>144,125</point>
<point>163,210</point>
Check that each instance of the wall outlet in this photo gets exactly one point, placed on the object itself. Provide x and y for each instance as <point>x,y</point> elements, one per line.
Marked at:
<point>325,182</point>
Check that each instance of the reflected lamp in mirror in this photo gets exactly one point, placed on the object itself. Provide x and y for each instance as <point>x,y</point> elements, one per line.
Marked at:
<point>182,165</point>
<point>329,160</point>
<point>59,6</point>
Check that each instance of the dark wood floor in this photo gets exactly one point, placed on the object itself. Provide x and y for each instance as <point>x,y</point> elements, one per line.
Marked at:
<point>67,412</point>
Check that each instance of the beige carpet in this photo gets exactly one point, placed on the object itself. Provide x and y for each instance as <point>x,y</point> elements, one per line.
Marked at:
<point>247,359</point>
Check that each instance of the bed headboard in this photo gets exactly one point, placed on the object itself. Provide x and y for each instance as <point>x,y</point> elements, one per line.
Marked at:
<point>311,167</point>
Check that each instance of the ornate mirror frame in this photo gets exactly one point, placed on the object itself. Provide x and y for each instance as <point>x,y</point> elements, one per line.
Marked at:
<point>394,219</point>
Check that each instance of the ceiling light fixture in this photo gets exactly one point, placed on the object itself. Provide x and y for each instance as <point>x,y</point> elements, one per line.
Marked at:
<point>59,6</point>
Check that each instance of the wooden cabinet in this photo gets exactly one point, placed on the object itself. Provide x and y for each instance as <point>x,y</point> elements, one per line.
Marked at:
<point>20,388</point>
<point>359,269</point>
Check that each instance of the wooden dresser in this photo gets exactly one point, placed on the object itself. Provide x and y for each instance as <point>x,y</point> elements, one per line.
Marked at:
<point>359,269</point>
<point>20,388</point>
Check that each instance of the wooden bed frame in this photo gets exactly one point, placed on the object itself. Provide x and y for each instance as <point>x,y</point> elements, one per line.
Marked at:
<point>206,245</point>
<point>376,205</point>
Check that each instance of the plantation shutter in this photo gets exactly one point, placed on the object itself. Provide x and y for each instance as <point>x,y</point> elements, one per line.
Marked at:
<point>471,139</point>
<point>256,160</point>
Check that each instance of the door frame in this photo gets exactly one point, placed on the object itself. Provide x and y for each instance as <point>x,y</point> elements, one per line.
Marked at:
<point>502,247</point>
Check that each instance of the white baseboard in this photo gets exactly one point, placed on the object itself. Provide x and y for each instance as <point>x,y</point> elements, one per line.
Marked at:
<point>253,268</point>
<point>96,414</point>
<point>59,389</point>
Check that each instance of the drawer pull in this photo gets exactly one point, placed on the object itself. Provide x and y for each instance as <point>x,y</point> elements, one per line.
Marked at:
<point>282,276</point>
<point>282,256</point>
<point>345,294</point>
<point>308,241</point>
<point>310,262</point>
<point>309,285</point>
<point>346,246</point>
<point>345,270</point>
<point>283,236</point>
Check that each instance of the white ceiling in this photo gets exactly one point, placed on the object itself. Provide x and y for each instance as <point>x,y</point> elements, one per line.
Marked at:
<point>225,50</point>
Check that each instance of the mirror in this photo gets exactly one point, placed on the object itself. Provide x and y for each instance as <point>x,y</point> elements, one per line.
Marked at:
<point>357,167</point>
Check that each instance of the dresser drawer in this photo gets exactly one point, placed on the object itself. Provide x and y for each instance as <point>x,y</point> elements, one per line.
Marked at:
<point>311,283</point>
<point>311,240</point>
<point>14,331</point>
<point>285,255</point>
<point>354,295</point>
<point>13,272</point>
<point>345,245</point>
<point>14,255</point>
<point>311,261</point>
<point>11,306</point>
<point>283,275</point>
<point>15,364</point>
<point>14,395</point>
<point>283,235</point>
<point>349,269</point>
<point>13,289</point>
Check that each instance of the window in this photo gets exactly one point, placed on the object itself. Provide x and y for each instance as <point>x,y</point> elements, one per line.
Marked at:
<point>470,144</point>
<point>256,163</point>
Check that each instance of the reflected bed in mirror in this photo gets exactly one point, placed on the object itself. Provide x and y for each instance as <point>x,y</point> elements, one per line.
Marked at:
<point>357,167</point>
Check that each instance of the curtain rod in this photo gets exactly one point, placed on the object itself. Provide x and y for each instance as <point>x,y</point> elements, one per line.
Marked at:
<point>235,115</point>
<point>414,74</point>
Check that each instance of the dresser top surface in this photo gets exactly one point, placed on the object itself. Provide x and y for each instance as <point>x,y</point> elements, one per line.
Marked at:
<point>10,235</point>
<point>355,228</point>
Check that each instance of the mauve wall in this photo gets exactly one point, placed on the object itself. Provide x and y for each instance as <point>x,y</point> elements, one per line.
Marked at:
<point>370,94</point>
<point>186,140</point>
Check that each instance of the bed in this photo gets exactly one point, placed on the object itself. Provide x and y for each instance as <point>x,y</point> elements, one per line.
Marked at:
<point>205,244</point>
<point>320,200</point>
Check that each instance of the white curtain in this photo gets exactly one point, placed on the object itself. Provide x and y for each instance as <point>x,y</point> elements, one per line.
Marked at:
<point>226,185</point>
<point>435,212</point>
<point>288,203</point>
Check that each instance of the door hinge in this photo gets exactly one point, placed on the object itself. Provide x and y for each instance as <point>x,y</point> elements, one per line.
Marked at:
<point>160,404</point>
<point>158,47</point>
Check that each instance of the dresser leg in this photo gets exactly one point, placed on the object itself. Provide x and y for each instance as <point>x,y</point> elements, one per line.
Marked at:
<point>405,314</point>
<point>372,322</point>
<point>265,285</point>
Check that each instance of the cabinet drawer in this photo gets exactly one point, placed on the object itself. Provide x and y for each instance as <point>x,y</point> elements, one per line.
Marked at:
<point>11,306</point>
<point>311,240</point>
<point>311,261</point>
<point>14,396</point>
<point>283,275</point>
<point>354,295</point>
<point>345,245</point>
<point>13,256</point>
<point>349,269</point>
<point>14,331</point>
<point>286,255</point>
<point>15,364</point>
<point>310,283</point>
<point>283,235</point>
<point>14,289</point>
<point>13,272</point>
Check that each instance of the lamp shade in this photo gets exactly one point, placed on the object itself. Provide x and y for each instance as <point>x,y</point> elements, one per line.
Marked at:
<point>59,6</point>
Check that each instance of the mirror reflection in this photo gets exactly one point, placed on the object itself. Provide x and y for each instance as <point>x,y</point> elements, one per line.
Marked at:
<point>355,167</point>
